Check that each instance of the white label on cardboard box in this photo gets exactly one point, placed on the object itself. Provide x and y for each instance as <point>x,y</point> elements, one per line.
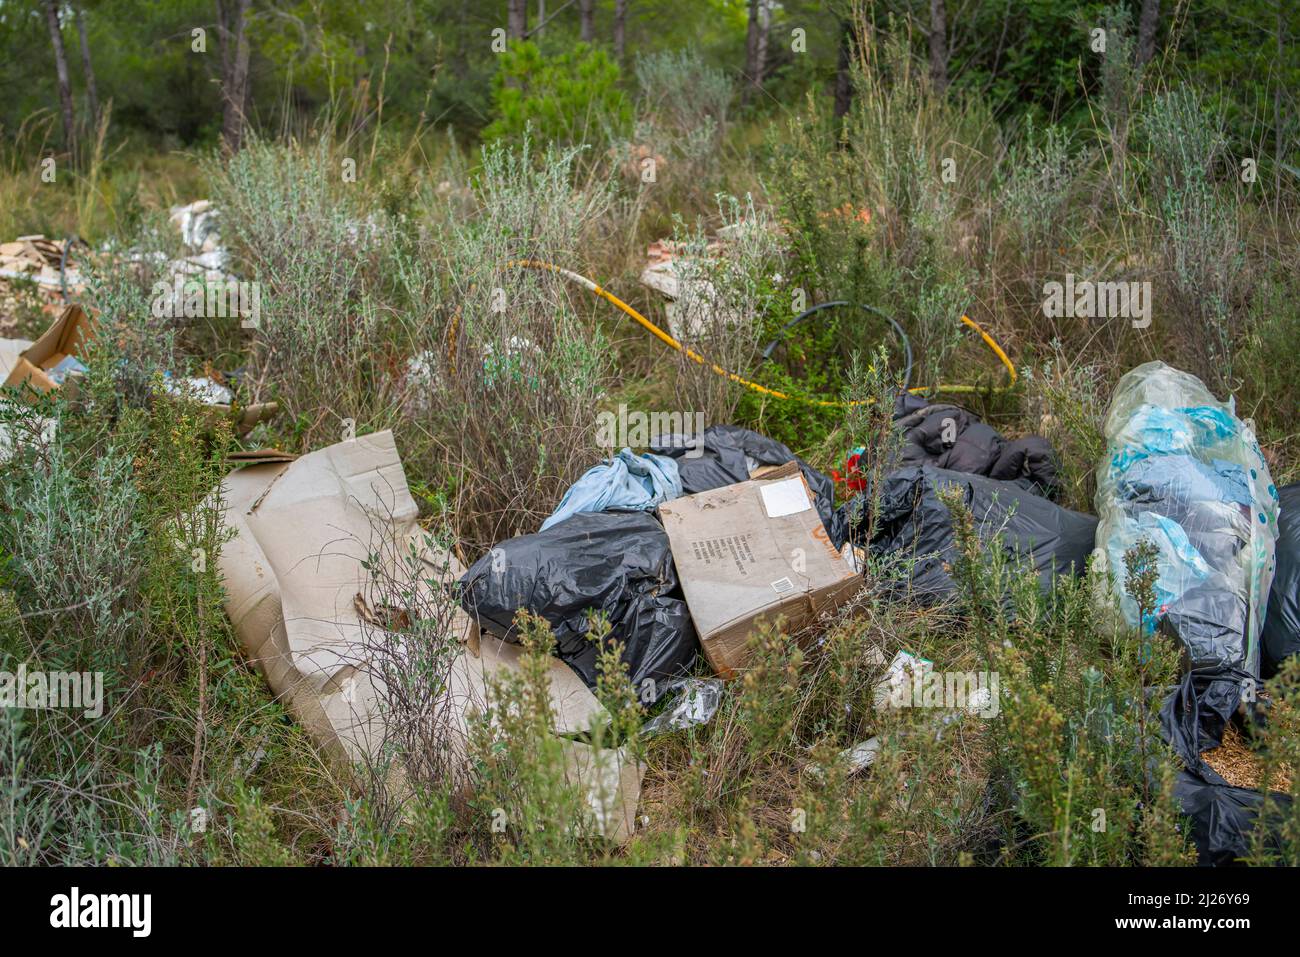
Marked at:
<point>787,497</point>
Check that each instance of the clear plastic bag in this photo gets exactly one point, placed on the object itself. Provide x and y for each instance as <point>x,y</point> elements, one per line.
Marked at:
<point>1182,471</point>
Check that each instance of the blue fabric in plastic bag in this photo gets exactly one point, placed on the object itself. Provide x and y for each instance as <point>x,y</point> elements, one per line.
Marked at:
<point>626,481</point>
<point>1158,478</point>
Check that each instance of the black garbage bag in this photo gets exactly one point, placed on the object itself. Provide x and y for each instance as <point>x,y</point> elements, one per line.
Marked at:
<point>1193,719</point>
<point>1280,638</point>
<point>1222,817</point>
<point>615,562</point>
<point>722,457</point>
<point>914,523</point>
<point>950,437</point>
<point>1194,716</point>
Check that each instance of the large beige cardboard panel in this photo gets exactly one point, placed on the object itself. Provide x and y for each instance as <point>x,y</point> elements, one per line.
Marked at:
<point>292,572</point>
<point>753,550</point>
<point>611,780</point>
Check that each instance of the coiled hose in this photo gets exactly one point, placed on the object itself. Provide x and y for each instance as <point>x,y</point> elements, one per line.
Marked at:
<point>694,356</point>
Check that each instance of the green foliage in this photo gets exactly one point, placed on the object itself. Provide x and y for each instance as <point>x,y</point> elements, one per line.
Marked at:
<point>1076,740</point>
<point>1226,42</point>
<point>516,368</point>
<point>326,293</point>
<point>255,841</point>
<point>1033,56</point>
<point>1271,390</point>
<point>1068,408</point>
<point>569,98</point>
<point>1037,183</point>
<point>682,123</point>
<point>725,304</point>
<point>1275,738</point>
<point>528,799</point>
<point>1203,248</point>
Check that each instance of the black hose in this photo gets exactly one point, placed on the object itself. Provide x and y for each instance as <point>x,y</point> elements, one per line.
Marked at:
<point>898,330</point>
<point>63,264</point>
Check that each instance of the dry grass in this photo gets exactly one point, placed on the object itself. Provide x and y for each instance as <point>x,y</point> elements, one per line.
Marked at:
<point>1243,767</point>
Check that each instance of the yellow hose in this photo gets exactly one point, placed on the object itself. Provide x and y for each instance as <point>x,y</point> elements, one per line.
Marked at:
<point>669,340</point>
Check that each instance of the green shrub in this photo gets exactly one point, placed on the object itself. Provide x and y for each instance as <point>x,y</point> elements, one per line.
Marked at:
<point>506,418</point>
<point>567,99</point>
<point>1203,250</point>
<point>325,344</point>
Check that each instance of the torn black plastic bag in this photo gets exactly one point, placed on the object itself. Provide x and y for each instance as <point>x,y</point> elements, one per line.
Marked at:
<point>914,523</point>
<point>1280,638</point>
<point>1222,817</point>
<point>726,454</point>
<point>1193,719</point>
<point>1194,716</point>
<point>618,563</point>
<point>950,437</point>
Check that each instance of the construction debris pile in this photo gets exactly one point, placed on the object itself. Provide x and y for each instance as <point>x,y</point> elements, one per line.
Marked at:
<point>52,268</point>
<point>203,260</point>
<point>54,361</point>
<point>680,274</point>
<point>44,266</point>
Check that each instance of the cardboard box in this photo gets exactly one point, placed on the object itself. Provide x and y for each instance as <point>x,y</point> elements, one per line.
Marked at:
<point>750,551</point>
<point>67,338</point>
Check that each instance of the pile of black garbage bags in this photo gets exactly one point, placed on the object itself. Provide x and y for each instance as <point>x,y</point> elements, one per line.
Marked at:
<point>618,561</point>
<point>1195,715</point>
<point>1008,486</point>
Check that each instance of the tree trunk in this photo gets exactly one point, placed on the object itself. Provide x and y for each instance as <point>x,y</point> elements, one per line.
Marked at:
<point>587,18</point>
<point>620,28</point>
<point>232,24</point>
<point>541,17</point>
<point>65,86</point>
<point>517,19</point>
<point>844,71</point>
<point>1279,132</point>
<point>751,52</point>
<point>760,54</point>
<point>1148,22</point>
<point>92,90</point>
<point>938,45</point>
